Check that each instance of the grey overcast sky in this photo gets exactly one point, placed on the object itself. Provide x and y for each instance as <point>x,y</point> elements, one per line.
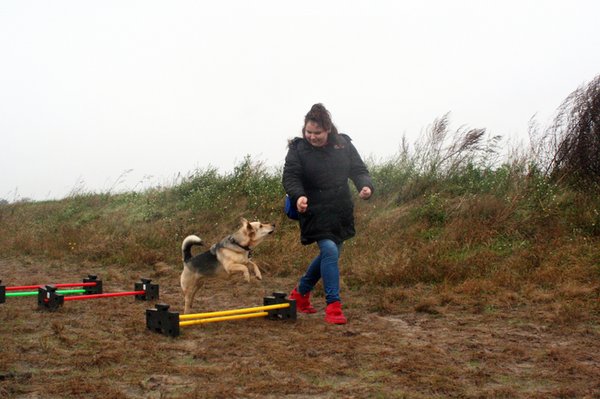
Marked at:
<point>92,90</point>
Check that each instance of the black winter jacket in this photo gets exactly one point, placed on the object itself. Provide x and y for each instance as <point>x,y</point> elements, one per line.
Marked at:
<point>321,174</point>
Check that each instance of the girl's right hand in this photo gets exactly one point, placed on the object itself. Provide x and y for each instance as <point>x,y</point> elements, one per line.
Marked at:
<point>302,204</point>
<point>365,193</point>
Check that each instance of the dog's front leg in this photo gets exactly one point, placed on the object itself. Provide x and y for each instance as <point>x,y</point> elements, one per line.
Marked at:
<point>238,267</point>
<point>255,269</point>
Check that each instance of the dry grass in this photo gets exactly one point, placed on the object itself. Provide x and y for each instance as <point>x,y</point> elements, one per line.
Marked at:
<point>428,347</point>
<point>491,300</point>
<point>575,137</point>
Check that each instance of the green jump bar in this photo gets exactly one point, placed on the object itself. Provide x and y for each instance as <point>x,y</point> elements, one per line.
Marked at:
<point>32,293</point>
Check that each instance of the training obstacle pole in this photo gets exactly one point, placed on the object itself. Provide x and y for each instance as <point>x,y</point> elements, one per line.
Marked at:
<point>275,307</point>
<point>91,285</point>
<point>49,297</point>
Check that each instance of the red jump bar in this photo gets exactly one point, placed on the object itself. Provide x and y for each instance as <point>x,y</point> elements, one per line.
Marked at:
<point>106,295</point>
<point>33,287</point>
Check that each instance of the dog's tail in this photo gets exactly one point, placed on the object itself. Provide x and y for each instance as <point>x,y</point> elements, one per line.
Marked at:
<point>186,246</point>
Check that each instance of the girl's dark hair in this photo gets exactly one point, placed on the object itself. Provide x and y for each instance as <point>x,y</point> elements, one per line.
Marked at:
<point>319,115</point>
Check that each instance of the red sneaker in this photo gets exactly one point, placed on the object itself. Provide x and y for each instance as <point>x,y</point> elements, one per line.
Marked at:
<point>302,302</point>
<point>333,313</point>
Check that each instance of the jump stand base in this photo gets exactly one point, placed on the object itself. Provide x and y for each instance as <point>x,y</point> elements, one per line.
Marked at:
<point>49,299</point>
<point>2,293</point>
<point>163,321</point>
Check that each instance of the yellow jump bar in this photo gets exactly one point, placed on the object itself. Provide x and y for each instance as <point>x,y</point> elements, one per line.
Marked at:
<point>231,312</point>
<point>222,318</point>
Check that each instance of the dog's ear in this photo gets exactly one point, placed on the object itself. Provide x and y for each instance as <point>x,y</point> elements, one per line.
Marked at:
<point>245,223</point>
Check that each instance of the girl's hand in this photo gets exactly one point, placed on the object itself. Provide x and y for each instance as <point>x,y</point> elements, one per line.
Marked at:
<point>302,204</point>
<point>365,193</point>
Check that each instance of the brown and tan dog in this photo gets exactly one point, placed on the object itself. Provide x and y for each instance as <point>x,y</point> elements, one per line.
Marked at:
<point>231,254</point>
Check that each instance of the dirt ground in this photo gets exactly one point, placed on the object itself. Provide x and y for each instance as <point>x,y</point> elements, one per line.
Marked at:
<point>102,349</point>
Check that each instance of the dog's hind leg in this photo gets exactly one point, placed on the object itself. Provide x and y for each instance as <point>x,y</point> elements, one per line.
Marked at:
<point>190,284</point>
<point>189,295</point>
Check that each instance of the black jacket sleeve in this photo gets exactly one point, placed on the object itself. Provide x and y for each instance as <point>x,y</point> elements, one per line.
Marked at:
<point>359,174</point>
<point>292,173</point>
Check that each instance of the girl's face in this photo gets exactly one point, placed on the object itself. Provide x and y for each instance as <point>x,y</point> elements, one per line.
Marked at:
<point>315,134</point>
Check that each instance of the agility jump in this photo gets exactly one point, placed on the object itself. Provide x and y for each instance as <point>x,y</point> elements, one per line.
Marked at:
<point>49,298</point>
<point>90,286</point>
<point>275,307</point>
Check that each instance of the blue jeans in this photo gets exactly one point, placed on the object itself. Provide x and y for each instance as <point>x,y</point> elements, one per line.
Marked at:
<point>325,266</point>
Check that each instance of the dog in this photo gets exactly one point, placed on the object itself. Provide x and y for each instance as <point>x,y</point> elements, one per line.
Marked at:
<point>230,255</point>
